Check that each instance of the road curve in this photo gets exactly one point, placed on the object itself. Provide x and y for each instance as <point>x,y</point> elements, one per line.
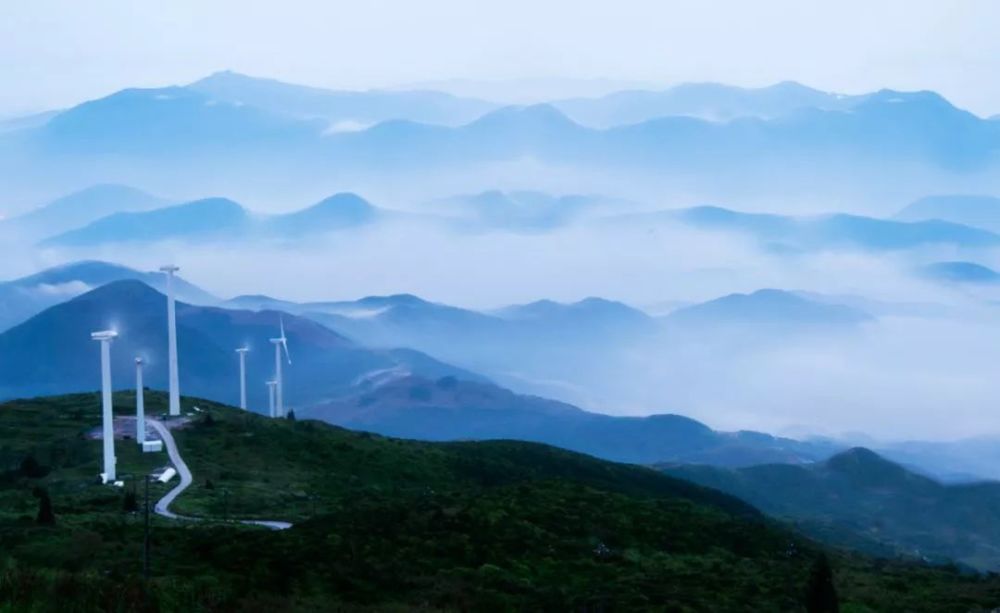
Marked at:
<point>163,505</point>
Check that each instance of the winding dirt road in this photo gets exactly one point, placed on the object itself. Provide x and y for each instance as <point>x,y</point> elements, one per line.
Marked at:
<point>163,505</point>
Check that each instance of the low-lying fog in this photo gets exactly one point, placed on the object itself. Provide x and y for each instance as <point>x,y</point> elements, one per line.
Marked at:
<point>925,367</point>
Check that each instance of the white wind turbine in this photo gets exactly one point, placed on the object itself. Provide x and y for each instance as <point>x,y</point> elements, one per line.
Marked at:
<point>280,343</point>
<point>270,397</point>
<point>242,351</point>
<point>175,392</point>
<point>140,405</point>
<point>108,419</point>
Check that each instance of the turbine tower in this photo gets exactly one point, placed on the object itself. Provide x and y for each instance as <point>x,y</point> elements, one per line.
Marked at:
<point>108,426</point>
<point>270,397</point>
<point>175,392</point>
<point>280,343</point>
<point>140,405</point>
<point>242,351</point>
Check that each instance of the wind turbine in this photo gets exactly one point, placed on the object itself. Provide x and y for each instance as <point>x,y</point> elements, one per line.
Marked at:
<point>175,392</point>
<point>140,405</point>
<point>280,343</point>
<point>108,426</point>
<point>242,351</point>
<point>270,397</point>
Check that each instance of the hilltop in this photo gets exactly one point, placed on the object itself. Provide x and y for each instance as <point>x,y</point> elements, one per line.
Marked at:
<point>383,523</point>
<point>859,499</point>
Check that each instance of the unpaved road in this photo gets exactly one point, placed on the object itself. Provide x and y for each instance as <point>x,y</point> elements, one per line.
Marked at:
<point>163,505</point>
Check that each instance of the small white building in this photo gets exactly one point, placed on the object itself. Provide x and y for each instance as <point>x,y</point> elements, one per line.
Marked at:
<point>152,446</point>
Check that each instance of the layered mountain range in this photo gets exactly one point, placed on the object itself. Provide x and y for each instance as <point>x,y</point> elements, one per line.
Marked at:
<point>281,134</point>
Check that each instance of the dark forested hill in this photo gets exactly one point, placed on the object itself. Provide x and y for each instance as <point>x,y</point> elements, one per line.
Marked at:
<point>391,524</point>
<point>861,499</point>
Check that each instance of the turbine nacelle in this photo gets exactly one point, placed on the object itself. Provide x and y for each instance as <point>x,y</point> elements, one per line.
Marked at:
<point>104,335</point>
<point>283,340</point>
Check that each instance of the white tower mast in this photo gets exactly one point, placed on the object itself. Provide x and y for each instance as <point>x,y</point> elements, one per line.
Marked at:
<point>108,426</point>
<point>140,405</point>
<point>270,396</point>
<point>280,343</point>
<point>277,378</point>
<point>175,392</point>
<point>242,351</point>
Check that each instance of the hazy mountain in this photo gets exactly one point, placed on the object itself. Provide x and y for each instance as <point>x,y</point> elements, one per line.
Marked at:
<point>23,298</point>
<point>528,90</point>
<point>783,232</point>
<point>34,120</point>
<point>878,308</point>
<point>80,208</point>
<point>344,110</point>
<point>220,219</point>
<point>338,211</point>
<point>916,139</point>
<point>530,347</point>
<point>978,211</point>
<point>217,218</point>
<point>412,321</point>
<point>597,316</point>
<point>960,272</point>
<point>710,101</point>
<point>859,499</point>
<point>543,348</point>
<point>959,461</point>
<point>521,210</point>
<point>53,353</point>
<point>766,307</point>
<point>397,320</point>
<point>171,120</point>
<point>260,302</point>
<point>449,409</point>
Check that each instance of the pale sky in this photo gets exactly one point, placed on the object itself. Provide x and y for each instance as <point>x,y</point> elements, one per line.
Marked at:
<point>59,52</point>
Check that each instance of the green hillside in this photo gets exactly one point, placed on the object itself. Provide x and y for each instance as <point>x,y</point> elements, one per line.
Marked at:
<point>400,525</point>
<point>861,500</point>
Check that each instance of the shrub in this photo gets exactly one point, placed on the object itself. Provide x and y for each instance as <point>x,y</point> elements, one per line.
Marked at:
<point>45,515</point>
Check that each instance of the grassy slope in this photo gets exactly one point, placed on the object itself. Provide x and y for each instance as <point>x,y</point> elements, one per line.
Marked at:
<point>863,501</point>
<point>383,522</point>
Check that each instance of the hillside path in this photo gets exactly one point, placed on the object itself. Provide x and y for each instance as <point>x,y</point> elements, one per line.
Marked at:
<point>163,505</point>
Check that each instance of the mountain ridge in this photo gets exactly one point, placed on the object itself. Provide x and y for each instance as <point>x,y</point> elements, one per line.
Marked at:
<point>859,498</point>
<point>221,219</point>
<point>52,352</point>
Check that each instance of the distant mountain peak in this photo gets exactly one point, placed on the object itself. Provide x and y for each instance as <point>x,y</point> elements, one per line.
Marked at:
<point>924,101</point>
<point>77,267</point>
<point>768,306</point>
<point>868,468</point>
<point>213,203</point>
<point>208,216</point>
<point>393,300</point>
<point>124,291</point>
<point>960,272</point>
<point>339,210</point>
<point>342,200</point>
<point>221,75</point>
<point>532,115</point>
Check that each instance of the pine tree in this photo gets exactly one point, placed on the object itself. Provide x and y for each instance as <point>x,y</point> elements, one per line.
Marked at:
<point>131,503</point>
<point>45,515</point>
<point>31,468</point>
<point>821,595</point>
